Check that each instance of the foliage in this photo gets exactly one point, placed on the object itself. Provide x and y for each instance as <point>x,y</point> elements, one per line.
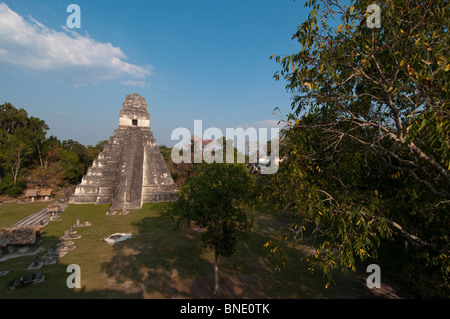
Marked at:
<point>213,201</point>
<point>51,175</point>
<point>27,155</point>
<point>20,136</point>
<point>7,186</point>
<point>366,154</point>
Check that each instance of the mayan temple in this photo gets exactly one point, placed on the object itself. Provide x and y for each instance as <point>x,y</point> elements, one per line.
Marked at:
<point>130,170</point>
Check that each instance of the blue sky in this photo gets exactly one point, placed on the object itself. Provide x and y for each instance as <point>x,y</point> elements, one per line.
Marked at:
<point>190,59</point>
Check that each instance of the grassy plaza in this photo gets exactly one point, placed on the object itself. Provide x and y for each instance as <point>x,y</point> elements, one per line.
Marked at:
<point>161,262</point>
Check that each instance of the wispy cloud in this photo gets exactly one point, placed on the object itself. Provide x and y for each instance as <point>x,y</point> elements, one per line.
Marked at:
<point>134,83</point>
<point>64,54</point>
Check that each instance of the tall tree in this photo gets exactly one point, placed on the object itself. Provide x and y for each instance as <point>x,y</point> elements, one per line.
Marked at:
<point>367,152</point>
<point>213,200</point>
<point>20,138</point>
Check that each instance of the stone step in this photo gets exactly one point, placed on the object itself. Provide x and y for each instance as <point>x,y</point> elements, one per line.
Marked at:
<point>106,191</point>
<point>86,189</point>
<point>83,199</point>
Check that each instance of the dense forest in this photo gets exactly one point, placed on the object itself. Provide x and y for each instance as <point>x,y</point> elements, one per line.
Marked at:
<point>29,158</point>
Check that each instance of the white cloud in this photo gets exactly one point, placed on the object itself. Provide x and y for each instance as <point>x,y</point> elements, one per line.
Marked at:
<point>134,83</point>
<point>65,54</point>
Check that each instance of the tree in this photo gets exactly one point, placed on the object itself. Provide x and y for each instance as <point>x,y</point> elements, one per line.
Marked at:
<point>13,151</point>
<point>36,129</point>
<point>49,151</point>
<point>81,157</point>
<point>20,140</point>
<point>51,175</point>
<point>69,161</point>
<point>367,152</point>
<point>213,200</point>
<point>26,154</point>
<point>8,187</point>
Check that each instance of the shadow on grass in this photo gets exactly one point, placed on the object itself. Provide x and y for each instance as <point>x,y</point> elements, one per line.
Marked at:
<point>159,263</point>
<point>171,264</point>
<point>55,284</point>
<point>162,261</point>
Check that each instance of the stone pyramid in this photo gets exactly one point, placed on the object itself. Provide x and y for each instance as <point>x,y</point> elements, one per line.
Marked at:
<point>130,170</point>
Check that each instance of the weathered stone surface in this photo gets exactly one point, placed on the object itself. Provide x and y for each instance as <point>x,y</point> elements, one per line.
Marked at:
<point>130,170</point>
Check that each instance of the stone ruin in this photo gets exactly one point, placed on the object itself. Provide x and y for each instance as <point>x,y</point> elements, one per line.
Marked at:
<point>130,170</point>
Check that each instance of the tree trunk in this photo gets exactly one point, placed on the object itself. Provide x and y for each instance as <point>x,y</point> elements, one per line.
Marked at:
<point>16,172</point>
<point>40,156</point>
<point>216,274</point>
<point>16,167</point>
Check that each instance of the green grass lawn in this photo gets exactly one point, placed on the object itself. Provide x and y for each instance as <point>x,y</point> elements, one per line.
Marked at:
<point>11,213</point>
<point>160,262</point>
